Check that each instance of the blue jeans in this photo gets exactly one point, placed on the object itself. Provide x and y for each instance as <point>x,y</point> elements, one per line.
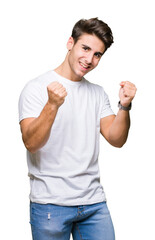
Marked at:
<point>86,222</point>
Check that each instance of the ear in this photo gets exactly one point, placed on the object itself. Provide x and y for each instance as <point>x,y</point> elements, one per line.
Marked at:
<point>70,43</point>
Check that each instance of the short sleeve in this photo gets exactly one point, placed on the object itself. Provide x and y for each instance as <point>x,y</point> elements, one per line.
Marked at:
<point>30,101</point>
<point>106,107</point>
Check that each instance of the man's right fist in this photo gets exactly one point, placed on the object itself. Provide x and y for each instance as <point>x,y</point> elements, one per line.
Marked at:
<point>56,94</point>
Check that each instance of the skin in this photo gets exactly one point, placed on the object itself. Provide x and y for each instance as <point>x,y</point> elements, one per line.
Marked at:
<point>81,58</point>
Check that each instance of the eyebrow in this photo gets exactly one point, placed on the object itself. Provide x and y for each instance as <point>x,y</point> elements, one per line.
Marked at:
<point>90,49</point>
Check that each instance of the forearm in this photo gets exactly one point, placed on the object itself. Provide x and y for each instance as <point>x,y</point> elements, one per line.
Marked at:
<point>37,131</point>
<point>119,129</point>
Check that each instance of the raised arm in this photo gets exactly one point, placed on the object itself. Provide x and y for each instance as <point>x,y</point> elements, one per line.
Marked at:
<point>36,131</point>
<point>115,128</point>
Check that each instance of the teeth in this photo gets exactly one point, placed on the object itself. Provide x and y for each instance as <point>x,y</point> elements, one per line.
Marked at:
<point>85,66</point>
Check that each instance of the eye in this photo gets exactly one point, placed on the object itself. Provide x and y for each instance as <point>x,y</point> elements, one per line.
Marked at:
<point>85,48</point>
<point>98,55</point>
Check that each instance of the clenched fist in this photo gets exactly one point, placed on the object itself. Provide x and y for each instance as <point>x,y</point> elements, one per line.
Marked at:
<point>127,93</point>
<point>56,94</point>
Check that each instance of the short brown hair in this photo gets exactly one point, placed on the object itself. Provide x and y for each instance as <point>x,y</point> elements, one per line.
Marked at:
<point>93,26</point>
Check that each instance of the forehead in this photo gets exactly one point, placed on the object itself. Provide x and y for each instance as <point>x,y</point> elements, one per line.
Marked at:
<point>91,41</point>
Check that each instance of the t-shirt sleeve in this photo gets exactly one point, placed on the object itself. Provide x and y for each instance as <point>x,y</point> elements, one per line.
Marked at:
<point>106,107</point>
<point>30,102</point>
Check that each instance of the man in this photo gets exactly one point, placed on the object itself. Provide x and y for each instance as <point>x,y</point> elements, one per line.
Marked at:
<point>61,116</point>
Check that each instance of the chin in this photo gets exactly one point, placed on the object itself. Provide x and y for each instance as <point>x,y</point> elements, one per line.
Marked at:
<point>81,73</point>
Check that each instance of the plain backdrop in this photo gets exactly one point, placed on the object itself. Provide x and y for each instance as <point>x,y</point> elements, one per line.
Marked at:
<point>33,40</point>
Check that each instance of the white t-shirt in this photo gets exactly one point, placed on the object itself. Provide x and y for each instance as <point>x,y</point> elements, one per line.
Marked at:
<point>65,170</point>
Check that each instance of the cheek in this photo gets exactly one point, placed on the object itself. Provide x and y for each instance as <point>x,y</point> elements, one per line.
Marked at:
<point>79,54</point>
<point>74,56</point>
<point>96,62</point>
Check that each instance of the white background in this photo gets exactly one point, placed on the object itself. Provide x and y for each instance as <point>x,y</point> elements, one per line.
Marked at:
<point>33,40</point>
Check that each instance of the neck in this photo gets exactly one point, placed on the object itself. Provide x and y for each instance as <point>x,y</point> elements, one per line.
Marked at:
<point>65,71</point>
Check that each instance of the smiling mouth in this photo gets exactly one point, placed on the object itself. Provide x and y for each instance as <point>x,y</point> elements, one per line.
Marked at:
<point>84,66</point>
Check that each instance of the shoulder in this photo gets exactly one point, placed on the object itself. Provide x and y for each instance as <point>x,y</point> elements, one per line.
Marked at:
<point>95,87</point>
<point>38,84</point>
<point>41,80</point>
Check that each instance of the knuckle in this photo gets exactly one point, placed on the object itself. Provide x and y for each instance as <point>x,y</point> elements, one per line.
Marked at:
<point>60,85</point>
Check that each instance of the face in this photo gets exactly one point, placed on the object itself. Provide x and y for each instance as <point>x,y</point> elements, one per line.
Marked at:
<point>84,55</point>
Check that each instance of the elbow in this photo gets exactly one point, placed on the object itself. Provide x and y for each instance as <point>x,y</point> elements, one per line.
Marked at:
<point>29,146</point>
<point>31,149</point>
<point>118,141</point>
<point>118,144</point>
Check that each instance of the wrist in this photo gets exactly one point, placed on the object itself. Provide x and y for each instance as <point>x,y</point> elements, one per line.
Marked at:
<point>124,107</point>
<point>53,107</point>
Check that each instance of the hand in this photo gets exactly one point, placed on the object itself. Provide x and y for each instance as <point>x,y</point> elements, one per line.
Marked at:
<point>56,94</point>
<point>127,93</point>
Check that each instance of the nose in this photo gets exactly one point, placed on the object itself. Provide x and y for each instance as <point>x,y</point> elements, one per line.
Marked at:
<point>89,58</point>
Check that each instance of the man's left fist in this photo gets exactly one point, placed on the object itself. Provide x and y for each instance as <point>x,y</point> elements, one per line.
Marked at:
<point>127,93</point>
